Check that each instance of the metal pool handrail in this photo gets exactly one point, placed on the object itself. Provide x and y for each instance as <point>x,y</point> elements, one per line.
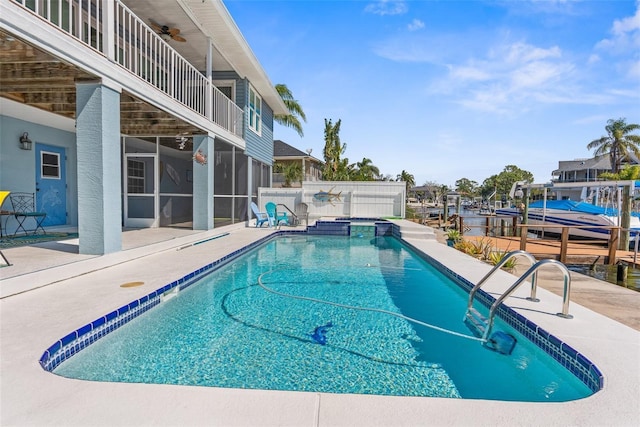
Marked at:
<point>506,258</point>
<point>530,271</point>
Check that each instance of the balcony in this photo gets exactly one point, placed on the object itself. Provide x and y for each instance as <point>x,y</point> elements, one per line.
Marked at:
<point>113,31</point>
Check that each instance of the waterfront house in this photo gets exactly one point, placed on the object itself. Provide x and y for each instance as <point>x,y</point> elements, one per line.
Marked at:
<point>585,173</point>
<point>132,113</point>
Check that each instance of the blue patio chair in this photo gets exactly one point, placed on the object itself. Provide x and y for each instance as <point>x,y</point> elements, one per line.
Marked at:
<point>276,218</point>
<point>261,217</point>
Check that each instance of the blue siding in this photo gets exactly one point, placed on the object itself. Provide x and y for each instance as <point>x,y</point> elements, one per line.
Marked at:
<point>260,147</point>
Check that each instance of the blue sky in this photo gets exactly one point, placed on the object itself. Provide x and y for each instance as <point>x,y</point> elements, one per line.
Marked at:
<point>452,89</point>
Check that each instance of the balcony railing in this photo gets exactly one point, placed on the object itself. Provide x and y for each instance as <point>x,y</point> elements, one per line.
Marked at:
<point>136,47</point>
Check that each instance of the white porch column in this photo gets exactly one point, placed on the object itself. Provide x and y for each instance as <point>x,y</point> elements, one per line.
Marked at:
<point>250,187</point>
<point>99,168</point>
<point>203,183</point>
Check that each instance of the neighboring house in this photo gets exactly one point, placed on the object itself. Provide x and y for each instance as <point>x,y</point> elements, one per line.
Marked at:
<point>584,170</point>
<point>284,155</point>
<point>140,113</point>
<point>581,171</point>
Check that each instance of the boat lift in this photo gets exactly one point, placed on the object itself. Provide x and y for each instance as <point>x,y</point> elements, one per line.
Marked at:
<point>624,191</point>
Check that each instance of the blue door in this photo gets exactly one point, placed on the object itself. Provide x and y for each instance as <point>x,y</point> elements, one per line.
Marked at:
<point>51,183</point>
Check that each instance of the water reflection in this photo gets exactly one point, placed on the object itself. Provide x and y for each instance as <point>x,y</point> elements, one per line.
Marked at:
<point>609,273</point>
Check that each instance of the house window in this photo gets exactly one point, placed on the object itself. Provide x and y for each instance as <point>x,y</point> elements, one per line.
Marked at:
<point>255,111</point>
<point>49,165</point>
<point>135,176</point>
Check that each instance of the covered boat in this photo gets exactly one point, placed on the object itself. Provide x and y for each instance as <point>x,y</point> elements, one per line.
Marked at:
<point>571,213</point>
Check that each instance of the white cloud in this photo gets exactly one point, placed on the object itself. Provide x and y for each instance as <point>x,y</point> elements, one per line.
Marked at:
<point>518,53</point>
<point>625,43</point>
<point>633,70</point>
<point>469,73</point>
<point>511,78</point>
<point>625,35</point>
<point>387,7</point>
<point>415,25</point>
<point>537,74</point>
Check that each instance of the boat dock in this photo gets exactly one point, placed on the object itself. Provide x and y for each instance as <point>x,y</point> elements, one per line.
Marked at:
<point>576,252</point>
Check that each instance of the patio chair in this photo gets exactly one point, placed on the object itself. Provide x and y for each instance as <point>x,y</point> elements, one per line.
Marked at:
<point>302,211</point>
<point>276,218</point>
<point>261,217</point>
<point>24,207</point>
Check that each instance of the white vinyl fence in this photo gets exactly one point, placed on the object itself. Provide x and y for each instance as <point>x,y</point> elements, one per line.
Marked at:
<point>341,198</point>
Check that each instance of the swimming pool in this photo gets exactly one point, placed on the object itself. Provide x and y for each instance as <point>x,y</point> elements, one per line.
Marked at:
<point>243,336</point>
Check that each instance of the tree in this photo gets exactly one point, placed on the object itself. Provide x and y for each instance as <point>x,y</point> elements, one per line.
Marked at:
<point>408,179</point>
<point>292,172</point>
<point>619,143</point>
<point>467,187</point>
<point>334,166</point>
<point>502,182</point>
<point>365,171</point>
<point>627,173</point>
<point>435,190</point>
<point>291,120</point>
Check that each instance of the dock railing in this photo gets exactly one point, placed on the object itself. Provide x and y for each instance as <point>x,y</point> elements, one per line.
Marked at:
<point>509,226</point>
<point>612,241</point>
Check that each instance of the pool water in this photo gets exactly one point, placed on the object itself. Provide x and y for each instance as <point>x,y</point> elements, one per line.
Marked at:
<point>228,331</point>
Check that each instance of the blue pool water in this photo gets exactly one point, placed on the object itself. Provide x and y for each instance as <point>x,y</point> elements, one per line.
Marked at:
<point>228,331</point>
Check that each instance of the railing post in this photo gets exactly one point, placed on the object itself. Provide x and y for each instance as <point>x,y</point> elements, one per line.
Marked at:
<point>563,244</point>
<point>209,89</point>
<point>523,237</point>
<point>460,218</point>
<point>108,29</point>
<point>613,245</point>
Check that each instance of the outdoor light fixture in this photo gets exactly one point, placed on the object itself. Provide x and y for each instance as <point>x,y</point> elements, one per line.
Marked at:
<point>181,141</point>
<point>518,193</point>
<point>25,142</point>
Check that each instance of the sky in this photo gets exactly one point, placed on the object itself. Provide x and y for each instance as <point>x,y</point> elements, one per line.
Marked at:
<point>451,89</point>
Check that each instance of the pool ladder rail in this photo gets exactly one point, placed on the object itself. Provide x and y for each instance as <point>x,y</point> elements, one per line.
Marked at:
<point>484,325</point>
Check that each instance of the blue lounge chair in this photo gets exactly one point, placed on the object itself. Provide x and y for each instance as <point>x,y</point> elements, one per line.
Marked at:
<point>261,217</point>
<point>276,218</point>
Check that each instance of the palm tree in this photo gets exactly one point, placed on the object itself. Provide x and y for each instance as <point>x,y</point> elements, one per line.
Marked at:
<point>407,178</point>
<point>292,173</point>
<point>334,166</point>
<point>366,170</point>
<point>619,143</point>
<point>291,120</point>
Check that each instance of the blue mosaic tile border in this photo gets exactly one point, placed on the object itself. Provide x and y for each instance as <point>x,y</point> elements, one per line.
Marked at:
<point>563,353</point>
<point>79,339</point>
<point>82,337</point>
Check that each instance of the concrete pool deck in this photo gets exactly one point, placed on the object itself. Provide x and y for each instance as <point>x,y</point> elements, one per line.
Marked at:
<point>50,292</point>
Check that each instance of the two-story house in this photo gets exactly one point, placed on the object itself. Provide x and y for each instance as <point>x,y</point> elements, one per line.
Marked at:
<point>134,113</point>
<point>585,173</point>
<point>285,155</point>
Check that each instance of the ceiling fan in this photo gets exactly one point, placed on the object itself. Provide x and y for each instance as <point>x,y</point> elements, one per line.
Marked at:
<point>167,33</point>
